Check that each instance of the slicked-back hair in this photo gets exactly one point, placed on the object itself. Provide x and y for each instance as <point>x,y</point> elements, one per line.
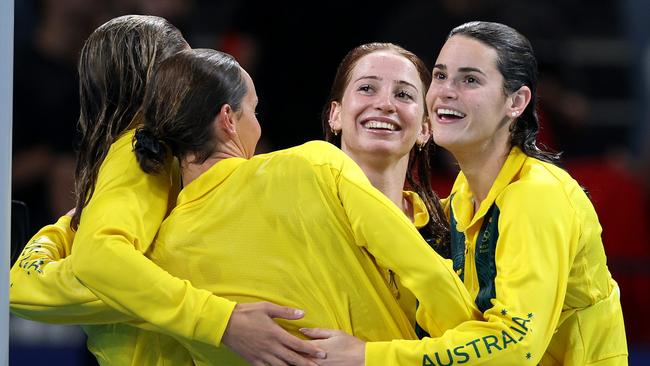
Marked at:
<point>517,64</point>
<point>182,100</point>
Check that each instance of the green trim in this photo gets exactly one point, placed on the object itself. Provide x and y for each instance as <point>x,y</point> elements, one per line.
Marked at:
<point>485,253</point>
<point>484,256</point>
<point>457,243</point>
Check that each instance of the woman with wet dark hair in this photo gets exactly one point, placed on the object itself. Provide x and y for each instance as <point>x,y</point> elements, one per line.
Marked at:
<point>104,277</point>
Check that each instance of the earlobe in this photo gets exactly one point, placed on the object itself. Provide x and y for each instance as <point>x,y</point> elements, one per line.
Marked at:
<point>335,116</point>
<point>425,132</point>
<point>519,101</point>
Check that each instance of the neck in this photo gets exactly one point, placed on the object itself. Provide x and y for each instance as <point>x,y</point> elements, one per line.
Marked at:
<point>388,177</point>
<point>190,170</point>
<point>481,168</point>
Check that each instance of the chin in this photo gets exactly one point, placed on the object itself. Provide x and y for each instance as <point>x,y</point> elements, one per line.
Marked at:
<point>383,146</point>
<point>440,141</point>
<point>448,144</point>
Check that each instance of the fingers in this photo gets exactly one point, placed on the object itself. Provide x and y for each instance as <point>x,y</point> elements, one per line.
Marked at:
<point>284,312</point>
<point>269,360</point>
<point>266,342</point>
<point>274,361</point>
<point>318,333</point>
<point>294,359</point>
<point>303,347</point>
<point>279,354</point>
<point>293,343</point>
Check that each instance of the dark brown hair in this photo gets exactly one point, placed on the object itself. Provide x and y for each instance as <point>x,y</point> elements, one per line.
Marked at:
<point>184,96</point>
<point>115,65</point>
<point>420,160</point>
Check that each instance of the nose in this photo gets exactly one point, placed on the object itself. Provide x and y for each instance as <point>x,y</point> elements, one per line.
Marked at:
<point>448,90</point>
<point>385,102</point>
<point>442,89</point>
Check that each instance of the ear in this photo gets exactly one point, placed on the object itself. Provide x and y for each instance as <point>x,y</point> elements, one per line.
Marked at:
<point>335,116</point>
<point>425,133</point>
<point>226,120</point>
<point>518,101</point>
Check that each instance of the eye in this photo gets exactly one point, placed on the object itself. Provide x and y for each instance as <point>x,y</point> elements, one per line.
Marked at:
<point>403,94</point>
<point>365,88</point>
<point>439,75</point>
<point>471,79</point>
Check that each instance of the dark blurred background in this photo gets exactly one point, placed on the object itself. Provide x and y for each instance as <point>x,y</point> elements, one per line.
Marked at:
<point>594,87</point>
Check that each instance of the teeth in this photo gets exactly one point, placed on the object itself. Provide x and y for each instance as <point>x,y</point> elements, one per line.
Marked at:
<point>380,125</point>
<point>450,112</point>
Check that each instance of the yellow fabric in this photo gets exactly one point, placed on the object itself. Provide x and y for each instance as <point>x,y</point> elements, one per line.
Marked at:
<point>295,227</point>
<point>556,303</point>
<point>121,344</point>
<point>43,287</point>
<point>420,213</point>
<point>404,296</point>
<point>107,262</point>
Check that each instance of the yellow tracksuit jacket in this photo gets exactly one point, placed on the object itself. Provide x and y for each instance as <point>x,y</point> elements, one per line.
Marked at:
<point>354,212</point>
<point>533,260</point>
<point>107,263</point>
<point>296,227</point>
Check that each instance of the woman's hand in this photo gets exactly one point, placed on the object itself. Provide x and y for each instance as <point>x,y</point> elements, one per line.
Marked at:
<point>342,348</point>
<point>253,334</point>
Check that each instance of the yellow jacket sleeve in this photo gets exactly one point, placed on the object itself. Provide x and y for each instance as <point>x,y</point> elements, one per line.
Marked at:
<point>43,287</point>
<point>116,228</point>
<point>394,241</point>
<point>533,255</point>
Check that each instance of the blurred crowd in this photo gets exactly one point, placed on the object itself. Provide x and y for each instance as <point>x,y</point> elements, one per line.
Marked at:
<point>594,88</point>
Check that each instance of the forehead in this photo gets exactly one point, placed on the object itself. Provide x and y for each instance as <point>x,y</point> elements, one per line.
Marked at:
<point>386,65</point>
<point>465,52</point>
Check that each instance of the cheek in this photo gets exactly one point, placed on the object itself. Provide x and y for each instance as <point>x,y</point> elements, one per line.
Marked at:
<point>432,94</point>
<point>488,103</point>
<point>349,115</point>
<point>413,115</point>
<point>353,104</point>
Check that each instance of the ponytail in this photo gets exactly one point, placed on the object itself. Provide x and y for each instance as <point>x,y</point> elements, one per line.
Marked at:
<point>149,151</point>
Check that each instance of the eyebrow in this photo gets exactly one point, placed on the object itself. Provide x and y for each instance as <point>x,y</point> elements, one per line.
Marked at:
<point>373,77</point>
<point>465,69</point>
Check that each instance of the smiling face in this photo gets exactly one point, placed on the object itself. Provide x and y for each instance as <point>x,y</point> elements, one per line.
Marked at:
<point>381,113</point>
<point>469,109</point>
